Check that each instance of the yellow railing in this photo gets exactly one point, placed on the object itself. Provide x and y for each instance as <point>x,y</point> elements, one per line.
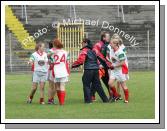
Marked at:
<point>71,35</point>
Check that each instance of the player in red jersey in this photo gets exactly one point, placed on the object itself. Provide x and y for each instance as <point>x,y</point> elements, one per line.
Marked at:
<point>101,51</point>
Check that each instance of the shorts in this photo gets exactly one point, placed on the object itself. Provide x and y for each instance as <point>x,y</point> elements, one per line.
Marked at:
<point>63,79</point>
<point>118,75</point>
<point>50,75</point>
<point>39,76</point>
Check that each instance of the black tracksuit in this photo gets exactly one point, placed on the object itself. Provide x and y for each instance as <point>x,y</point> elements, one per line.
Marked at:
<point>91,75</point>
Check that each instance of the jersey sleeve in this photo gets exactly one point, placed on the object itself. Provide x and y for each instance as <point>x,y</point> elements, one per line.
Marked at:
<point>125,50</point>
<point>100,56</point>
<point>81,59</point>
<point>46,58</point>
<point>121,56</point>
<point>32,58</point>
<point>68,56</point>
<point>50,52</point>
<point>97,49</point>
<point>108,53</point>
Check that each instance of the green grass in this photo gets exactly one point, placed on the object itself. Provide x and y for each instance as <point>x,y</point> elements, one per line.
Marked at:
<point>140,106</point>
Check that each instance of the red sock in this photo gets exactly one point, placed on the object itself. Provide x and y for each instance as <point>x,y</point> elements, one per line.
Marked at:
<point>41,100</point>
<point>62,97</point>
<point>50,99</point>
<point>114,91</point>
<point>126,92</point>
<point>31,97</point>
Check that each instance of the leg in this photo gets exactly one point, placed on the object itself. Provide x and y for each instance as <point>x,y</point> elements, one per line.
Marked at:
<point>86,80</point>
<point>111,85</point>
<point>118,90</point>
<point>62,93</point>
<point>35,80</point>
<point>33,90</point>
<point>98,87</point>
<point>42,84</point>
<point>57,88</point>
<point>93,92</point>
<point>105,80</point>
<point>126,91</point>
<point>51,92</point>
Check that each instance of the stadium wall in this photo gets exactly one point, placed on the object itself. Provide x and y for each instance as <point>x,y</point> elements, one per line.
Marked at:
<point>138,20</point>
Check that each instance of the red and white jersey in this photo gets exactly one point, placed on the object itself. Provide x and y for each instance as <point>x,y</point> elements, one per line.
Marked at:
<point>123,48</point>
<point>116,57</point>
<point>40,61</point>
<point>61,68</point>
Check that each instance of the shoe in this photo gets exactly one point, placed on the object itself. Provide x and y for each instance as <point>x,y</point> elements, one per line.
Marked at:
<point>51,102</point>
<point>126,101</point>
<point>42,103</point>
<point>29,101</point>
<point>93,98</point>
<point>88,102</point>
<point>120,98</point>
<point>114,99</point>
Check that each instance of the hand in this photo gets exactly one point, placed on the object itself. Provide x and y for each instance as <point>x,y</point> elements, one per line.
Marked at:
<point>111,67</point>
<point>28,62</point>
<point>75,66</point>
<point>101,66</point>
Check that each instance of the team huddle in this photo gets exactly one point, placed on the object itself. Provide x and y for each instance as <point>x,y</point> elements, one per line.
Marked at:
<point>105,60</point>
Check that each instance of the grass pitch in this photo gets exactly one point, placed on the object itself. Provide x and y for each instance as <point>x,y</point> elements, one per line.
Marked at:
<point>141,104</point>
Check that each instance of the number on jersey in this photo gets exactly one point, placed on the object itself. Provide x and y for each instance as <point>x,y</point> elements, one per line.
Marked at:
<point>59,59</point>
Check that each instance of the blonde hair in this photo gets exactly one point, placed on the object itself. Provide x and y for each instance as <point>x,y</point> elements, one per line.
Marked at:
<point>116,41</point>
<point>116,36</point>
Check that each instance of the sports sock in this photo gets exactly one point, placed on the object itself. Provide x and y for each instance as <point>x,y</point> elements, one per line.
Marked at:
<point>31,97</point>
<point>41,100</point>
<point>114,91</point>
<point>62,97</point>
<point>126,92</point>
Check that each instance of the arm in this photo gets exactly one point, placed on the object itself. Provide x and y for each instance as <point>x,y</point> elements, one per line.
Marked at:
<point>121,58</point>
<point>97,49</point>
<point>31,60</point>
<point>119,64</point>
<point>80,60</point>
<point>50,52</point>
<point>100,56</point>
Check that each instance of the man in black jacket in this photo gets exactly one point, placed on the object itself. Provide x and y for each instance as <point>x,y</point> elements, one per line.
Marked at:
<point>88,58</point>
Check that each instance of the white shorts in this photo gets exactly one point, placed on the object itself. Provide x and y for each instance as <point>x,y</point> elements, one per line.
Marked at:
<point>39,76</point>
<point>118,75</point>
<point>63,79</point>
<point>50,75</point>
